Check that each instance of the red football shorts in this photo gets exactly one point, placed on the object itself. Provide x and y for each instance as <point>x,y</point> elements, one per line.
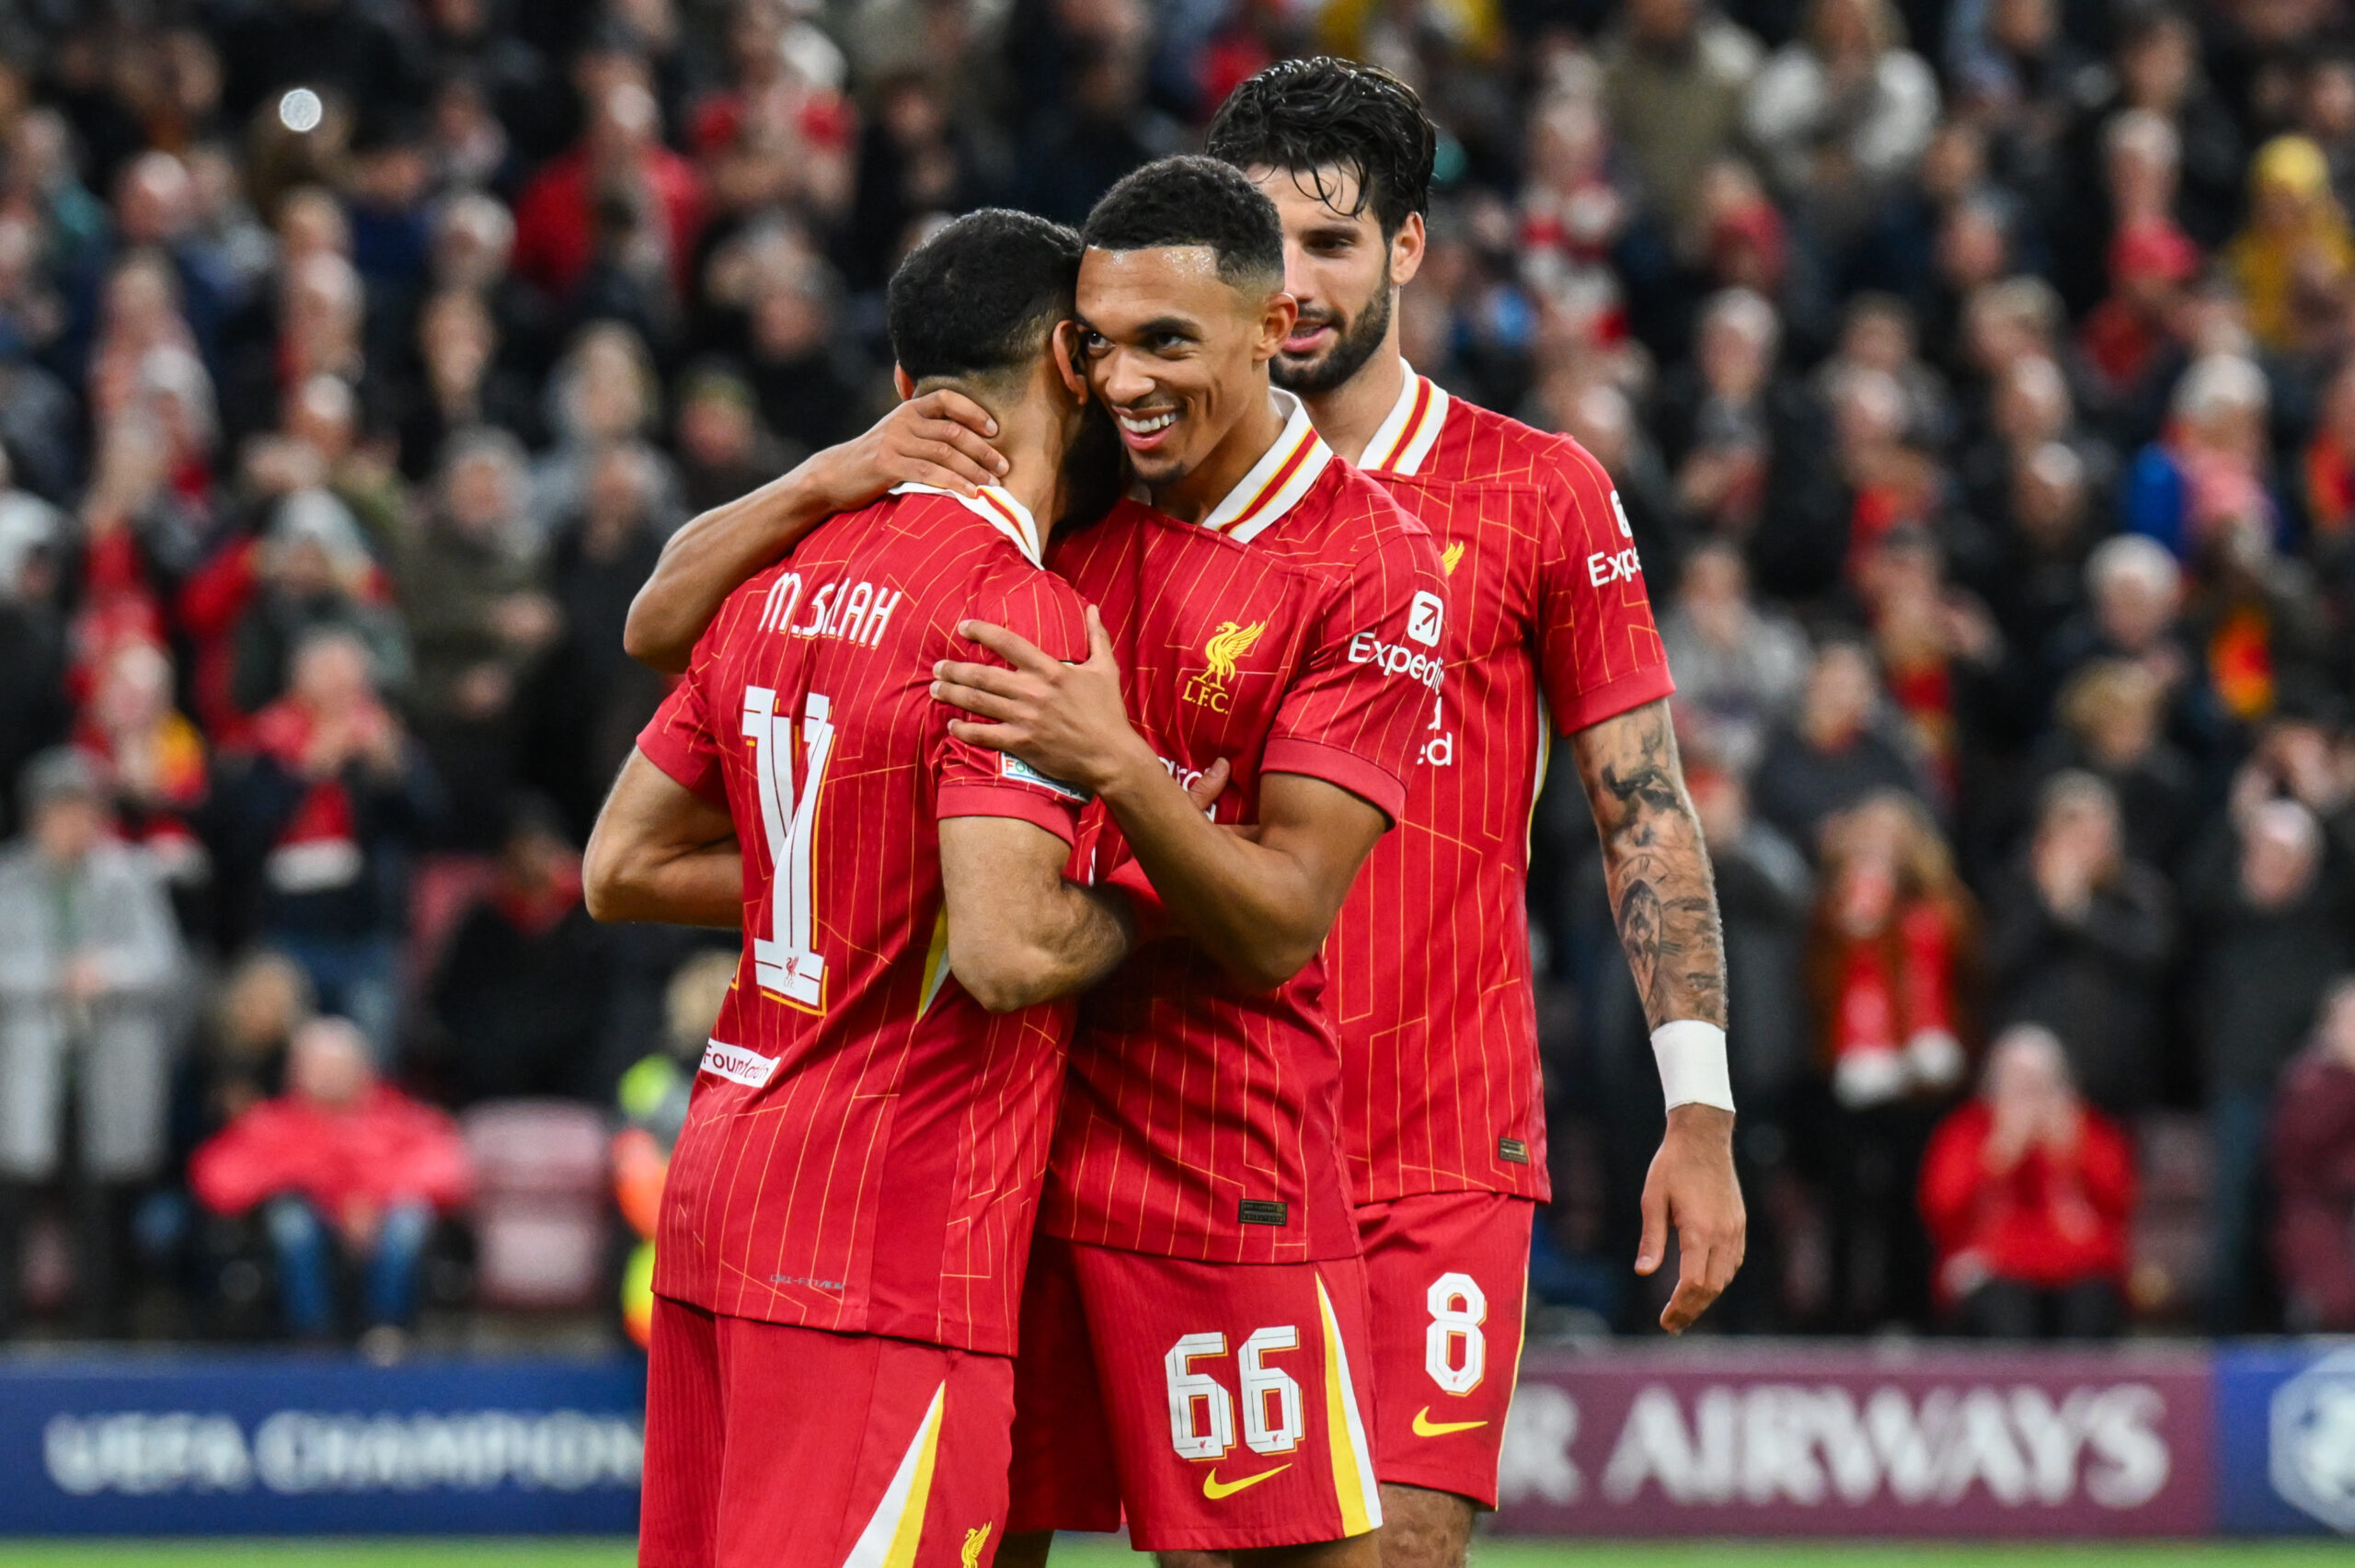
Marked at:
<point>1222,1402</point>
<point>1449,1277</point>
<point>794,1448</point>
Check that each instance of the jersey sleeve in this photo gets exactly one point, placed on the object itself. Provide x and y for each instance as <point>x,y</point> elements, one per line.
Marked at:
<point>678,739</point>
<point>1599,653</point>
<point>1369,688</point>
<point>972,781</point>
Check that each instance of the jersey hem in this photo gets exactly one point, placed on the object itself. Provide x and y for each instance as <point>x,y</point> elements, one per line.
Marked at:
<point>1613,698</point>
<point>1313,758</point>
<point>997,800</point>
<point>676,761</point>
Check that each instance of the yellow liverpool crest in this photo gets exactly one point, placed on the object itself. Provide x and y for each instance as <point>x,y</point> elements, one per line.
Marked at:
<point>974,1541</point>
<point>1226,645</point>
<point>1448,556</point>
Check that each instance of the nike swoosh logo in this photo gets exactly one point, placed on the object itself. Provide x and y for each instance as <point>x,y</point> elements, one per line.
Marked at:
<point>1425,1427</point>
<point>1214,1489</point>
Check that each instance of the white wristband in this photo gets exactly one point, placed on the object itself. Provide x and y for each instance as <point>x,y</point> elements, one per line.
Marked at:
<point>1692,1057</point>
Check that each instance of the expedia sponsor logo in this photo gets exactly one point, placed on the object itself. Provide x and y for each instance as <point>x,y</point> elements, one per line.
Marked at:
<point>1607,567</point>
<point>738,1065</point>
<point>1207,688</point>
<point>1398,658</point>
<point>1426,617</point>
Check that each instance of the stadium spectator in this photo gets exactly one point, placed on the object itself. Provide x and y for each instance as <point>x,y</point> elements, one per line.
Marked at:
<point>1836,750</point>
<point>1891,956</point>
<point>472,585</point>
<point>2314,1172</point>
<point>2078,937</point>
<point>521,993</point>
<point>1674,72</point>
<point>2270,929</point>
<point>1843,112</point>
<point>88,959</point>
<point>345,1168</point>
<point>2027,1191</point>
<point>1740,666</point>
<point>321,807</point>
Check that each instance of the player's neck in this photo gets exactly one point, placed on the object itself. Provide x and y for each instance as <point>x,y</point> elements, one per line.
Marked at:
<point>1194,498</point>
<point>1348,416</point>
<point>1034,465</point>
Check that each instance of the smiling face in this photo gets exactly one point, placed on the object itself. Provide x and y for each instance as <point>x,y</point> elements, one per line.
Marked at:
<point>1176,352</point>
<point>1339,268</point>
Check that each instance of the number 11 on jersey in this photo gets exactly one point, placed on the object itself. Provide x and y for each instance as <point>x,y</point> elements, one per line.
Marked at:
<point>783,961</point>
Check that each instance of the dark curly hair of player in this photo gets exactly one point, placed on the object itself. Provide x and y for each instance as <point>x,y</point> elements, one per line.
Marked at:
<point>1307,115</point>
<point>1192,200</point>
<point>979,298</point>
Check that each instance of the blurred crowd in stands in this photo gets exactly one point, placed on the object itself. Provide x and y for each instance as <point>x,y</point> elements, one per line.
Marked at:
<point>1979,377</point>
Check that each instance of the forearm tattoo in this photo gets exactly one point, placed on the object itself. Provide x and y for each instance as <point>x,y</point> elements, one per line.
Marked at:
<point>1661,892</point>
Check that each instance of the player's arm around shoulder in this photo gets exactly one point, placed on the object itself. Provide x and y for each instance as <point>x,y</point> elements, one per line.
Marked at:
<point>940,439</point>
<point>1665,903</point>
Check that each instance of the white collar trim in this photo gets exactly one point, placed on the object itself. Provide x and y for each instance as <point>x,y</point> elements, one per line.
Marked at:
<point>997,508</point>
<point>1412,428</point>
<point>1278,480</point>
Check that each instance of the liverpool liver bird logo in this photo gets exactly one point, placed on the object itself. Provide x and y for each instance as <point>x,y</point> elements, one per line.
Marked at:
<point>1226,645</point>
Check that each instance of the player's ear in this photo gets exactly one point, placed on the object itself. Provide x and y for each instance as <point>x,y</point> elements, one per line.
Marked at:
<point>901,385</point>
<point>1406,251</point>
<point>1276,317</point>
<point>1063,349</point>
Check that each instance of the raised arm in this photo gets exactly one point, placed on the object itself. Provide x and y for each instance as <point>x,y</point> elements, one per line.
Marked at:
<point>661,852</point>
<point>1019,933</point>
<point>1666,905</point>
<point>939,439</point>
<point>1258,904</point>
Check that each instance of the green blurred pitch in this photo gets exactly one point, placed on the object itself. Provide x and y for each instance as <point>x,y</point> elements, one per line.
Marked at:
<point>1098,1552</point>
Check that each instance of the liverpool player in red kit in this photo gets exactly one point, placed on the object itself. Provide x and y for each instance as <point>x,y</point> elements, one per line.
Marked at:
<point>850,1206</point>
<point>1194,1329</point>
<point>1549,628</point>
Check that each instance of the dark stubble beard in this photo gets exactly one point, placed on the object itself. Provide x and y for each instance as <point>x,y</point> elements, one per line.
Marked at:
<point>1349,354</point>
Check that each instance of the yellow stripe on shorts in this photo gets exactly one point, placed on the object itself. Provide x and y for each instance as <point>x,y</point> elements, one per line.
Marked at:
<point>1353,1482</point>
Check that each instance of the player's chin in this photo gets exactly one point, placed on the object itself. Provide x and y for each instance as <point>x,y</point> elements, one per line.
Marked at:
<point>1300,372</point>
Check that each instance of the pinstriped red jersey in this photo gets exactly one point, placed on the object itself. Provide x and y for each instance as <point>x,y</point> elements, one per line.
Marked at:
<point>1294,630</point>
<point>865,1144</point>
<point>1549,629</point>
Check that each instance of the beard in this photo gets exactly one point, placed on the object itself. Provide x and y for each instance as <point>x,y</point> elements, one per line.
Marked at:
<point>1353,345</point>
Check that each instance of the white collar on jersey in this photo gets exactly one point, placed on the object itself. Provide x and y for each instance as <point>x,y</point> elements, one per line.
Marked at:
<point>1406,437</point>
<point>999,509</point>
<point>1278,480</point>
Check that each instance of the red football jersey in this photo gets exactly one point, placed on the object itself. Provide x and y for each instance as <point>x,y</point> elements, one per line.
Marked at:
<point>1296,629</point>
<point>1549,629</point>
<point>864,1143</point>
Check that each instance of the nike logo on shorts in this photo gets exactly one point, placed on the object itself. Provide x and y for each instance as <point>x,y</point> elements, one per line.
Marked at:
<point>1214,1489</point>
<point>1425,1427</point>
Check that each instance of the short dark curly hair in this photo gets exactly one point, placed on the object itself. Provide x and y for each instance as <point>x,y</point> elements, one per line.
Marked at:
<point>978,298</point>
<point>1190,201</point>
<point>1302,116</point>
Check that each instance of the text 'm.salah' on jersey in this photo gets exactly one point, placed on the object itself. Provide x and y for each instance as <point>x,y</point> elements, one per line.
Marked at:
<point>1296,629</point>
<point>1549,628</point>
<point>865,1144</point>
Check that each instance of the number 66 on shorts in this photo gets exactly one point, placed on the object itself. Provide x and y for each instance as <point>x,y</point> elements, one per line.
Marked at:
<point>1225,1405</point>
